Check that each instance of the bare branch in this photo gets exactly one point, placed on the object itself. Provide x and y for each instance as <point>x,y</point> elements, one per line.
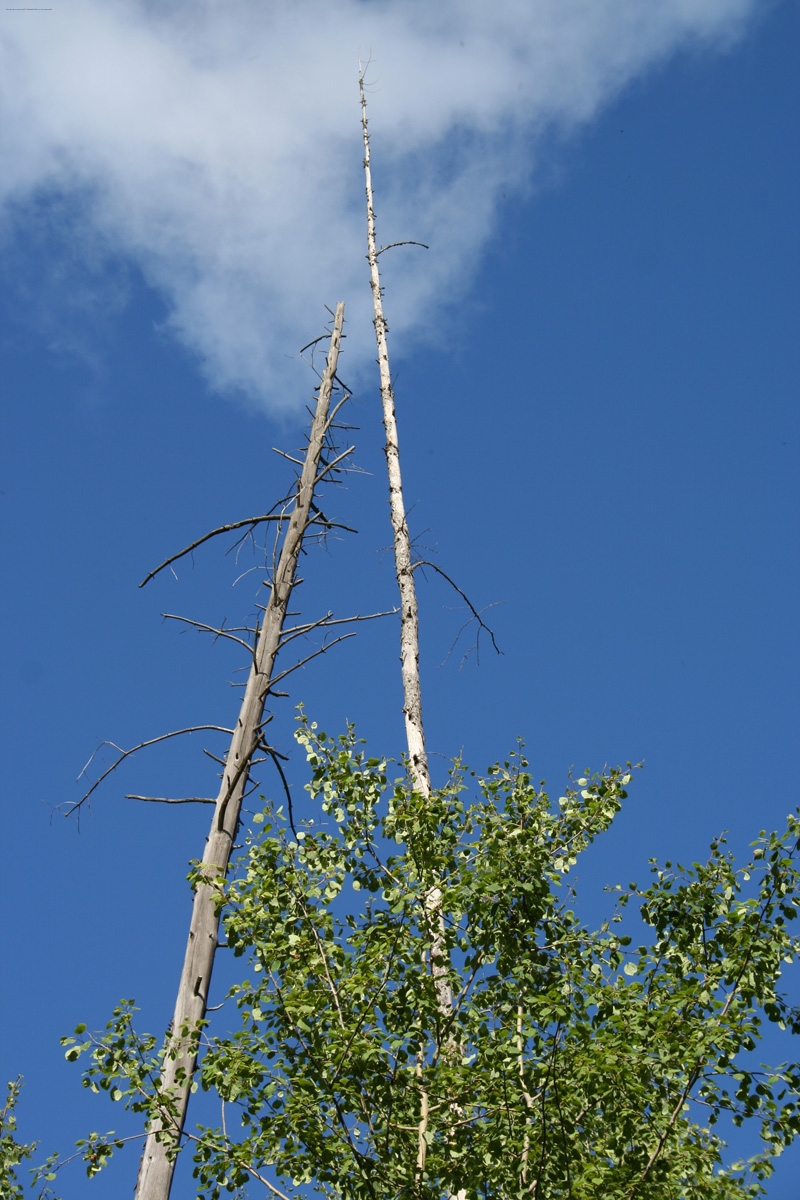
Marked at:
<point>297,461</point>
<point>323,337</point>
<point>303,661</point>
<point>123,754</point>
<point>335,410</point>
<point>221,761</point>
<point>331,466</point>
<point>262,1179</point>
<point>252,521</point>
<point>327,621</point>
<point>321,519</point>
<point>164,800</point>
<point>221,632</point>
<point>276,758</point>
<point>476,615</point>
<point>392,245</point>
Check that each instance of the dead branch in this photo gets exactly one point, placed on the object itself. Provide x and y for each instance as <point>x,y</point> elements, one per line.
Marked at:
<point>475,645</point>
<point>123,754</point>
<point>220,632</point>
<point>322,338</point>
<point>327,621</point>
<point>331,466</point>
<point>221,761</point>
<point>276,758</point>
<point>326,524</point>
<point>476,614</point>
<point>322,650</point>
<point>335,410</point>
<point>297,461</point>
<point>252,521</point>
<point>165,800</point>
<point>320,518</point>
<point>392,245</point>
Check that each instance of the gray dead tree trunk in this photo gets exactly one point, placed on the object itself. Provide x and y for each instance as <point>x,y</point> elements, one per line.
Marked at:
<point>163,1137</point>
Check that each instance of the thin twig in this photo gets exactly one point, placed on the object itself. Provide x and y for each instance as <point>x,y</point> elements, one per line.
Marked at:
<point>393,244</point>
<point>323,337</point>
<point>165,800</point>
<point>476,615</point>
<point>328,646</point>
<point>191,1137</point>
<point>327,621</point>
<point>322,520</point>
<point>276,758</point>
<point>253,521</point>
<point>218,632</point>
<point>123,754</point>
<point>331,466</point>
<point>297,461</point>
<point>326,968</point>
<point>221,761</point>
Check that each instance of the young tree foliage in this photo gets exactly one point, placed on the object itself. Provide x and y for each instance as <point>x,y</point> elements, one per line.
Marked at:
<point>573,1063</point>
<point>12,1152</point>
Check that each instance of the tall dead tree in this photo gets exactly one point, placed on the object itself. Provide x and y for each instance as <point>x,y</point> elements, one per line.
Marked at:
<point>163,1137</point>
<point>404,566</point>
<point>409,619</point>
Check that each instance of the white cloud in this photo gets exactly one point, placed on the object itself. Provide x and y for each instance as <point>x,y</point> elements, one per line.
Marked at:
<point>216,144</point>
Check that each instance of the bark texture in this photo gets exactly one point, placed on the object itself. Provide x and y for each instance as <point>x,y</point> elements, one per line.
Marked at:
<point>409,616</point>
<point>158,1159</point>
<point>404,567</point>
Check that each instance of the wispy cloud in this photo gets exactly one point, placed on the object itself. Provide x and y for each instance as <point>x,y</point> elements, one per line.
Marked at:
<point>216,144</point>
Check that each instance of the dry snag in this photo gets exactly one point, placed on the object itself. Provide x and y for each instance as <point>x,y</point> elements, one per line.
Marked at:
<point>164,1135</point>
<point>409,619</point>
<point>404,567</point>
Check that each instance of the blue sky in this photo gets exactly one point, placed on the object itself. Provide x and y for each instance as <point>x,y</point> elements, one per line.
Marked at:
<point>597,392</point>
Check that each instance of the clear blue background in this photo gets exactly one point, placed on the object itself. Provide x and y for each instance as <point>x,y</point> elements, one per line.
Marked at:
<point>606,441</point>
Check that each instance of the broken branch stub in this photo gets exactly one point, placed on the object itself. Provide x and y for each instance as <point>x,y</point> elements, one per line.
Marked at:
<point>163,1137</point>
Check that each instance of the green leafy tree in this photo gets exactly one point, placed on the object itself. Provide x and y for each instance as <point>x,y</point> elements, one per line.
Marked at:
<point>573,1063</point>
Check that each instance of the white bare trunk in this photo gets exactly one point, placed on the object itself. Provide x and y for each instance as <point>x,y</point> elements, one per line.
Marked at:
<point>409,612</point>
<point>158,1159</point>
<point>409,616</point>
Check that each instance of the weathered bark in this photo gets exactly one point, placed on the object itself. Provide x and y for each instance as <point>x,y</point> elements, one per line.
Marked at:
<point>409,618</point>
<point>158,1159</point>
<point>404,567</point>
